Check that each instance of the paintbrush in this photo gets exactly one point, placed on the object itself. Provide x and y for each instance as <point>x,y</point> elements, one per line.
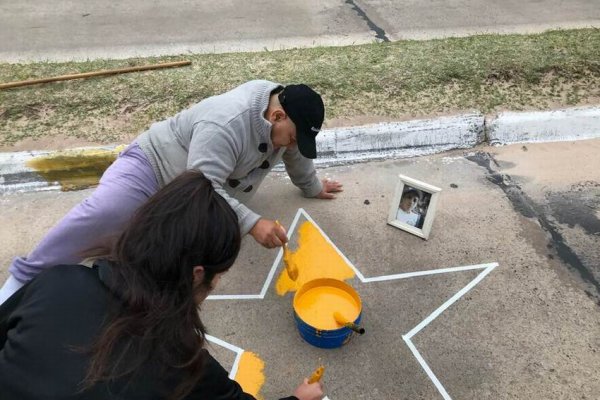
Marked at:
<point>290,267</point>
<point>339,318</point>
<point>317,375</point>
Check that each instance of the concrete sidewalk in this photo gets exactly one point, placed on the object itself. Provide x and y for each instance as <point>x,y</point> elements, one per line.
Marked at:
<point>529,329</point>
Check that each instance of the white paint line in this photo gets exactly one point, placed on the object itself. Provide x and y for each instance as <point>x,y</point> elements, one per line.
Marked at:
<point>407,338</point>
<point>425,273</point>
<point>451,300</point>
<point>487,268</point>
<point>38,186</point>
<point>356,271</point>
<point>428,370</point>
<point>267,283</point>
<point>291,231</point>
<point>238,351</point>
<point>223,343</point>
<point>235,366</point>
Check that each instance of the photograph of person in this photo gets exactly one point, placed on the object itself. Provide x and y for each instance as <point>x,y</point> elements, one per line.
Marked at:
<point>413,206</point>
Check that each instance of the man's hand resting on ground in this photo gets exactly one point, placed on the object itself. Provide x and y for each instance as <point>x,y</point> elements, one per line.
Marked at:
<point>329,188</point>
<point>269,234</point>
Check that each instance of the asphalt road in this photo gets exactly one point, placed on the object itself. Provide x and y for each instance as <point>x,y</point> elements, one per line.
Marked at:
<point>70,29</point>
<point>528,330</point>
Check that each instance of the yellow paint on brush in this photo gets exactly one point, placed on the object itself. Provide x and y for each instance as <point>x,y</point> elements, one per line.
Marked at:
<point>315,258</point>
<point>250,374</point>
<point>291,269</point>
<point>318,305</point>
<point>317,375</point>
<point>74,169</point>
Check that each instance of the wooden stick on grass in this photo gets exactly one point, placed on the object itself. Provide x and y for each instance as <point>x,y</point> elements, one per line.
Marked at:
<point>95,73</point>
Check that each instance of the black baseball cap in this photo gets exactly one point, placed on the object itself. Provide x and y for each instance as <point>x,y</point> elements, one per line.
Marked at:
<point>305,108</point>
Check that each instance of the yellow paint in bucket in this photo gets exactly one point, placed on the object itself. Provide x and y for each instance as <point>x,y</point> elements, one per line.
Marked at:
<point>318,300</point>
<point>250,374</point>
<point>315,258</point>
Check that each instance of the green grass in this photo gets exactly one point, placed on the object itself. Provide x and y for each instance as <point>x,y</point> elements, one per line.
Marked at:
<point>397,80</point>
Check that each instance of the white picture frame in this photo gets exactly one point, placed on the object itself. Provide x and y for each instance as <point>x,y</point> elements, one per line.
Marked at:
<point>417,211</point>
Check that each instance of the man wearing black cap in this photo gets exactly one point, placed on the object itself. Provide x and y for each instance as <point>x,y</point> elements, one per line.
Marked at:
<point>296,114</point>
<point>234,138</point>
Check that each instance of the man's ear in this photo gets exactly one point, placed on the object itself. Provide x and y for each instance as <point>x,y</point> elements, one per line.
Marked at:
<point>278,115</point>
<point>198,273</point>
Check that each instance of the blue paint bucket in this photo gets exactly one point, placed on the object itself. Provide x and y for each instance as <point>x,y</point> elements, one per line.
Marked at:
<point>314,316</point>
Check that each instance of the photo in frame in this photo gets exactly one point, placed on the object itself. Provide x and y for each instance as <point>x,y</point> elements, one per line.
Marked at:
<point>413,206</point>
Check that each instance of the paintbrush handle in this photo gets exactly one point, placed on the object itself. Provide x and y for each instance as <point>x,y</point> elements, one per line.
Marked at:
<point>339,318</point>
<point>355,328</point>
<point>279,225</point>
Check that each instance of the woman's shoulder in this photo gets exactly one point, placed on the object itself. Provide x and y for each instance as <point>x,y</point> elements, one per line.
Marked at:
<point>59,298</point>
<point>66,282</point>
<point>68,273</point>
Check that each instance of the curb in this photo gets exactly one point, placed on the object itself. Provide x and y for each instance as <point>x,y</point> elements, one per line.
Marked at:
<point>28,171</point>
<point>79,168</point>
<point>399,139</point>
<point>545,126</point>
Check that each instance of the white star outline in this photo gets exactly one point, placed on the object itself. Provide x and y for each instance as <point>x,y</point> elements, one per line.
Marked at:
<point>486,269</point>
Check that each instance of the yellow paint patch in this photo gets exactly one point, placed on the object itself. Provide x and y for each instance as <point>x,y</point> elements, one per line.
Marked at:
<point>250,374</point>
<point>75,169</point>
<point>316,307</point>
<point>315,258</point>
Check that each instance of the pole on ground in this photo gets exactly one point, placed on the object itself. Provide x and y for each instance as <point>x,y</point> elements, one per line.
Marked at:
<point>95,73</point>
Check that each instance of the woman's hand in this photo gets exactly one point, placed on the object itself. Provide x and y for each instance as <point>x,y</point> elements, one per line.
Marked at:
<point>309,391</point>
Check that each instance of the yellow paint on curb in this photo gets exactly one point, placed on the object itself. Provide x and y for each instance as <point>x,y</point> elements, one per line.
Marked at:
<point>250,374</point>
<point>74,169</point>
<point>315,258</point>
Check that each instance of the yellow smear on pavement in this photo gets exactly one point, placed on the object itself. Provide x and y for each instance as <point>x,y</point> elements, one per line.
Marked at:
<point>317,306</point>
<point>75,169</point>
<point>250,374</point>
<point>314,258</point>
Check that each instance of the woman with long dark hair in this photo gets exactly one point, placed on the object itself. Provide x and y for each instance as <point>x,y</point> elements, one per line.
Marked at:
<point>129,327</point>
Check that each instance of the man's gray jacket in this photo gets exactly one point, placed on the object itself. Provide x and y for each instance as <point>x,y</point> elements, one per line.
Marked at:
<point>229,140</point>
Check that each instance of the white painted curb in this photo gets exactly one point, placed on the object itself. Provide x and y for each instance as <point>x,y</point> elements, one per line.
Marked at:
<point>16,176</point>
<point>382,141</point>
<point>399,139</point>
<point>545,126</point>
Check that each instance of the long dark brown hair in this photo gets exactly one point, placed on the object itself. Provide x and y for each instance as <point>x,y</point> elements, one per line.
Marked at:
<point>185,224</point>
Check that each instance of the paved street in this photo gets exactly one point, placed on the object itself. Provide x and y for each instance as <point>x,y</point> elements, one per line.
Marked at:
<point>529,329</point>
<point>68,29</point>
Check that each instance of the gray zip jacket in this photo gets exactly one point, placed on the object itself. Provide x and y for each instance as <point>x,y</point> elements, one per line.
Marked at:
<point>229,140</point>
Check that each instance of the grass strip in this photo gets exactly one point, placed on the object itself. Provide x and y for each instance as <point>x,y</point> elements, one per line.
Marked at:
<point>404,79</point>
